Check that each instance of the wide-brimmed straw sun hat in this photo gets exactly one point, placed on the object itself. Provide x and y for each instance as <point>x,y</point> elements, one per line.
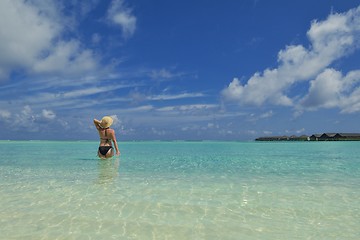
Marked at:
<point>106,122</point>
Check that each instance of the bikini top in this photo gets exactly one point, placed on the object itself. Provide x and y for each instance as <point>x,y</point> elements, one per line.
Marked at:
<point>108,140</point>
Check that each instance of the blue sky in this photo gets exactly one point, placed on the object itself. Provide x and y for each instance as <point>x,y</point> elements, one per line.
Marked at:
<point>172,70</point>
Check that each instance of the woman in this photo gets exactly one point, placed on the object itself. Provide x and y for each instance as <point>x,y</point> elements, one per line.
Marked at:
<point>106,136</point>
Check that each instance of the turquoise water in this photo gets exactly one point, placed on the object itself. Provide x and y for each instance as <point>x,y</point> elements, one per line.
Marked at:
<point>180,190</point>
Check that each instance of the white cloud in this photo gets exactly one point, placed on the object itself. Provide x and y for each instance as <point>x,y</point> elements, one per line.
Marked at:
<point>66,56</point>
<point>88,91</point>
<point>331,39</point>
<point>121,15</point>
<point>116,120</point>
<point>27,112</point>
<point>140,109</point>
<point>175,96</point>
<point>31,40</point>
<point>164,74</point>
<point>25,119</point>
<point>137,97</point>
<point>331,89</point>
<point>24,34</point>
<point>267,114</point>
<point>190,107</point>
<point>48,114</point>
<point>324,91</point>
<point>4,114</point>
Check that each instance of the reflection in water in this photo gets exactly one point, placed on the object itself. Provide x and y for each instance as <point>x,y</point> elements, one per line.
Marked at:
<point>108,170</point>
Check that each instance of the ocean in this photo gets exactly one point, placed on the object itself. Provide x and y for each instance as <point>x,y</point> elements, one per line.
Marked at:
<point>180,190</point>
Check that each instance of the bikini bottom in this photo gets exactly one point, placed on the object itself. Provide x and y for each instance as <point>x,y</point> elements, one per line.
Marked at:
<point>104,149</point>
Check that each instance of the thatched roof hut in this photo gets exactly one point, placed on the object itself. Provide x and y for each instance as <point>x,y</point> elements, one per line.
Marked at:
<point>335,137</point>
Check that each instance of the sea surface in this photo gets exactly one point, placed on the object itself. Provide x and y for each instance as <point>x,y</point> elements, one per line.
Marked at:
<point>180,190</point>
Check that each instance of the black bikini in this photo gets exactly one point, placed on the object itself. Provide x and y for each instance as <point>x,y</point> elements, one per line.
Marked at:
<point>104,149</point>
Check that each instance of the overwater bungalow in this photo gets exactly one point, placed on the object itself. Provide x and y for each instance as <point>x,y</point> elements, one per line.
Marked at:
<point>315,137</point>
<point>335,137</point>
<point>273,138</point>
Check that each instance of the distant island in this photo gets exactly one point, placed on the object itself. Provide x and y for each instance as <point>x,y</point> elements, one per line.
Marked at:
<point>314,137</point>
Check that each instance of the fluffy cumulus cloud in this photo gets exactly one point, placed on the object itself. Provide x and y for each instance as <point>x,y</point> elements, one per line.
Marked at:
<point>30,40</point>
<point>121,15</point>
<point>330,40</point>
<point>331,89</point>
<point>68,57</point>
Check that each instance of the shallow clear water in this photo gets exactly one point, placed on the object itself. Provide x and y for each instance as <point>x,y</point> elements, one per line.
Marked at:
<point>180,190</point>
